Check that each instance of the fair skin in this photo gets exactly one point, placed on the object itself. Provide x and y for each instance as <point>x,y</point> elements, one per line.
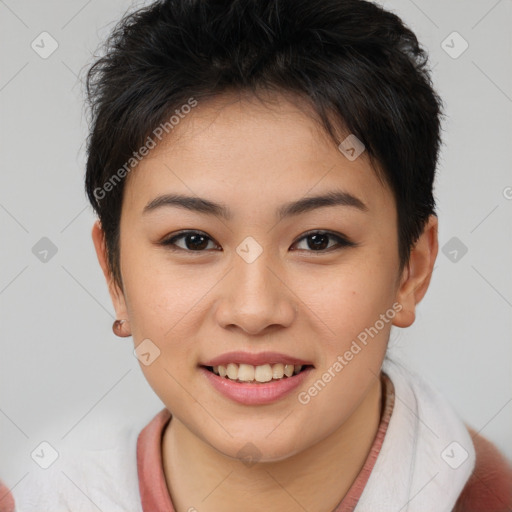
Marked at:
<point>295,299</point>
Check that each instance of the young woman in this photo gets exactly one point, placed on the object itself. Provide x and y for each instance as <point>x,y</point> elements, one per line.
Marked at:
<point>263,178</point>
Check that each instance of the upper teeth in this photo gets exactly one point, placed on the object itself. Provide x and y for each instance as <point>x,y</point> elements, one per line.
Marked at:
<point>263,373</point>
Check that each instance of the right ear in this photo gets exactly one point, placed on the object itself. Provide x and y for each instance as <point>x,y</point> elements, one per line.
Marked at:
<point>116,295</point>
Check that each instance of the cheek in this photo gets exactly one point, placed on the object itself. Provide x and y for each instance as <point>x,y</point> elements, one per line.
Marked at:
<point>347,299</point>
<point>161,296</point>
<point>359,315</point>
<point>166,303</point>
<point>354,315</point>
<point>163,309</point>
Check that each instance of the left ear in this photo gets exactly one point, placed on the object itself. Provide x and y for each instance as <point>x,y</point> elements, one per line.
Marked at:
<point>416,275</point>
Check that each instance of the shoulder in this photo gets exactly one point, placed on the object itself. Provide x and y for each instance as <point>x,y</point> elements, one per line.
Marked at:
<point>98,469</point>
<point>6,499</point>
<point>489,488</point>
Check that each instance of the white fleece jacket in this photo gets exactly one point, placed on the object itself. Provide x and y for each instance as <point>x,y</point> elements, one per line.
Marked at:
<point>426,459</point>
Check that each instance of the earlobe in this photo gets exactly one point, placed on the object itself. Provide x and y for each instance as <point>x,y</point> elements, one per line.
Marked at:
<point>116,295</point>
<point>417,274</point>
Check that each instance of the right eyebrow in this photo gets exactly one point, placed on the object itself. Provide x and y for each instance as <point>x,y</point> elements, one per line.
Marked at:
<point>196,204</point>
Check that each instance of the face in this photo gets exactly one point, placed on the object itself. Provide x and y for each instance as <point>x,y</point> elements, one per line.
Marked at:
<point>257,276</point>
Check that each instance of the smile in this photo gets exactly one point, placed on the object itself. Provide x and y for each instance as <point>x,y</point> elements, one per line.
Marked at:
<point>253,391</point>
<point>261,373</point>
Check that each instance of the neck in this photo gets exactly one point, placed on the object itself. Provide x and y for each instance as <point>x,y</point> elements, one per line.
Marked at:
<point>317,478</point>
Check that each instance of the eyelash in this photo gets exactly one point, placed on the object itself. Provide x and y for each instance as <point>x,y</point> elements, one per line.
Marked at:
<point>343,242</point>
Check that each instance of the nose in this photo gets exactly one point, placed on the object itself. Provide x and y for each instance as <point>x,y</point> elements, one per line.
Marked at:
<point>255,297</point>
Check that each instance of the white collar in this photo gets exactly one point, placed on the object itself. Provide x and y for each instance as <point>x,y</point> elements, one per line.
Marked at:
<point>427,454</point>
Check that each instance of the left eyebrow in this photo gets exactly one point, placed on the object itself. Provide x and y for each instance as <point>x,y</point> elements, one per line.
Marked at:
<point>334,198</point>
<point>306,204</point>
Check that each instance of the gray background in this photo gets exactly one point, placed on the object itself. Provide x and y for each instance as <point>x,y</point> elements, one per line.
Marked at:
<point>61,368</point>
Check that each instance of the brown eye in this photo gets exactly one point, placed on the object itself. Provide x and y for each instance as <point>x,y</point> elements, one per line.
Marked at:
<point>318,241</point>
<point>192,241</point>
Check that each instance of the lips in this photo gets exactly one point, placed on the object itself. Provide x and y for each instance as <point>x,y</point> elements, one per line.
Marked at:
<point>266,376</point>
<point>255,393</point>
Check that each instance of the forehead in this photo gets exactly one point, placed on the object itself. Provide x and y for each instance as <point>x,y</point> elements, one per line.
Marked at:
<point>242,149</point>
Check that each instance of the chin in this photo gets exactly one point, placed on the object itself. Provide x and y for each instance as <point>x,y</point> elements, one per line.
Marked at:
<point>253,449</point>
